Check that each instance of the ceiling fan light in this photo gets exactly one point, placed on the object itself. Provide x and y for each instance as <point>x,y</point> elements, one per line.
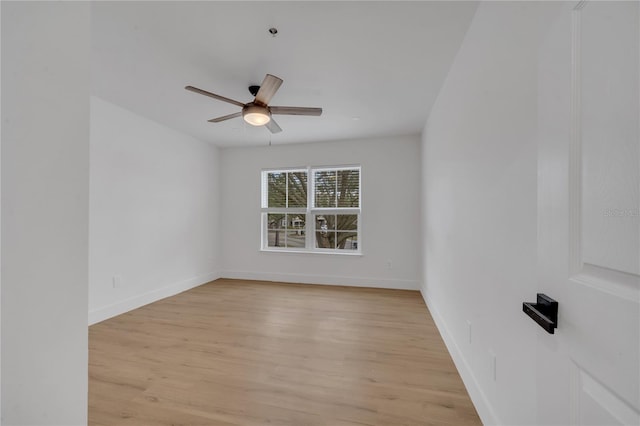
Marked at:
<point>256,115</point>
<point>257,118</point>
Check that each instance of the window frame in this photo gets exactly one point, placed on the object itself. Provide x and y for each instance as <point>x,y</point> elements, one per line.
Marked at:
<point>309,212</point>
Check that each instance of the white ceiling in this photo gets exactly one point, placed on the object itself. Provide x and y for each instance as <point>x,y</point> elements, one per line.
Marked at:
<point>374,67</point>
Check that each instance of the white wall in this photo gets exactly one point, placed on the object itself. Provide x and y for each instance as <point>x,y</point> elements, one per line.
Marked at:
<point>390,214</point>
<point>153,211</point>
<point>479,160</point>
<point>0,230</point>
<point>45,187</point>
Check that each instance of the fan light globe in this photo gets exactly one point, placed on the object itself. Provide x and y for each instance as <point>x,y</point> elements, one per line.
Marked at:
<point>256,115</point>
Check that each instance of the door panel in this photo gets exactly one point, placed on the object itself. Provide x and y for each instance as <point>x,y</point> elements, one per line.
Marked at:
<point>596,405</point>
<point>608,135</point>
<point>589,228</point>
<point>602,338</point>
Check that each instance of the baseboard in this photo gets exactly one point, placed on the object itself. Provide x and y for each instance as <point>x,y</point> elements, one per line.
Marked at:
<point>324,279</point>
<point>483,407</point>
<point>135,302</point>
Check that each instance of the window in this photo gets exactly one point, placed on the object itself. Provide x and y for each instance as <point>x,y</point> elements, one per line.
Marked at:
<point>315,209</point>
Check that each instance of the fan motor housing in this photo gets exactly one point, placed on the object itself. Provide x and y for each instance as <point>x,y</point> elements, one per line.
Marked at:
<point>256,115</point>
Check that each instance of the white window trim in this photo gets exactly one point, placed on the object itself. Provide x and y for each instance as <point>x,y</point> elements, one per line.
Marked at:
<point>310,211</point>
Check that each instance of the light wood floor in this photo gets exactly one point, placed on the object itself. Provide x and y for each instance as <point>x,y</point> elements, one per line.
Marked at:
<point>255,353</point>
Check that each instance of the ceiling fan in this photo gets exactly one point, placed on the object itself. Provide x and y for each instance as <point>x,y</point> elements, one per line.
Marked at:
<point>258,112</point>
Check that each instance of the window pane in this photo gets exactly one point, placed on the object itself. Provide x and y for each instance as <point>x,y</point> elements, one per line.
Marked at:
<point>295,239</point>
<point>275,238</point>
<point>325,222</point>
<point>326,239</point>
<point>296,221</point>
<point>347,222</point>
<point>277,189</point>
<point>325,189</point>
<point>297,189</point>
<point>348,188</point>
<point>347,241</point>
<point>276,221</point>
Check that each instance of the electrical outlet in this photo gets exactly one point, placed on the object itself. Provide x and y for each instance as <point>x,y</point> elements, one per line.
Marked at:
<point>469,330</point>
<point>117,281</point>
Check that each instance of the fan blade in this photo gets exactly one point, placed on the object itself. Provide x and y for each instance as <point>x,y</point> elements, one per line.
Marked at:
<point>225,117</point>
<point>268,88</point>
<point>213,95</point>
<point>273,126</point>
<point>285,110</point>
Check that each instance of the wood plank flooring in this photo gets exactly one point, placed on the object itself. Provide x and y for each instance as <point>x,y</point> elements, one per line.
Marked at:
<point>250,353</point>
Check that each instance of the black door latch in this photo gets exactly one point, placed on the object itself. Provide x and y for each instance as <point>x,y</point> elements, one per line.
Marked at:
<point>544,312</point>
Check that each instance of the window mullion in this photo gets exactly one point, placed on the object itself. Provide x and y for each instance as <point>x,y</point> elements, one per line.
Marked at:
<point>293,210</point>
<point>341,210</point>
<point>336,200</point>
<point>310,228</point>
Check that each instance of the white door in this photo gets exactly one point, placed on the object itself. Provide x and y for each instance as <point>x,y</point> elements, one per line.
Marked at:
<point>588,372</point>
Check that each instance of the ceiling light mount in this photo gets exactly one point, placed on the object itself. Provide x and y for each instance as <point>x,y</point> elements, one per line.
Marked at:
<point>273,31</point>
<point>254,90</point>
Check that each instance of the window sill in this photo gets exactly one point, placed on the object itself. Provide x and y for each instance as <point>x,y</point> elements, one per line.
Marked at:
<point>334,253</point>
